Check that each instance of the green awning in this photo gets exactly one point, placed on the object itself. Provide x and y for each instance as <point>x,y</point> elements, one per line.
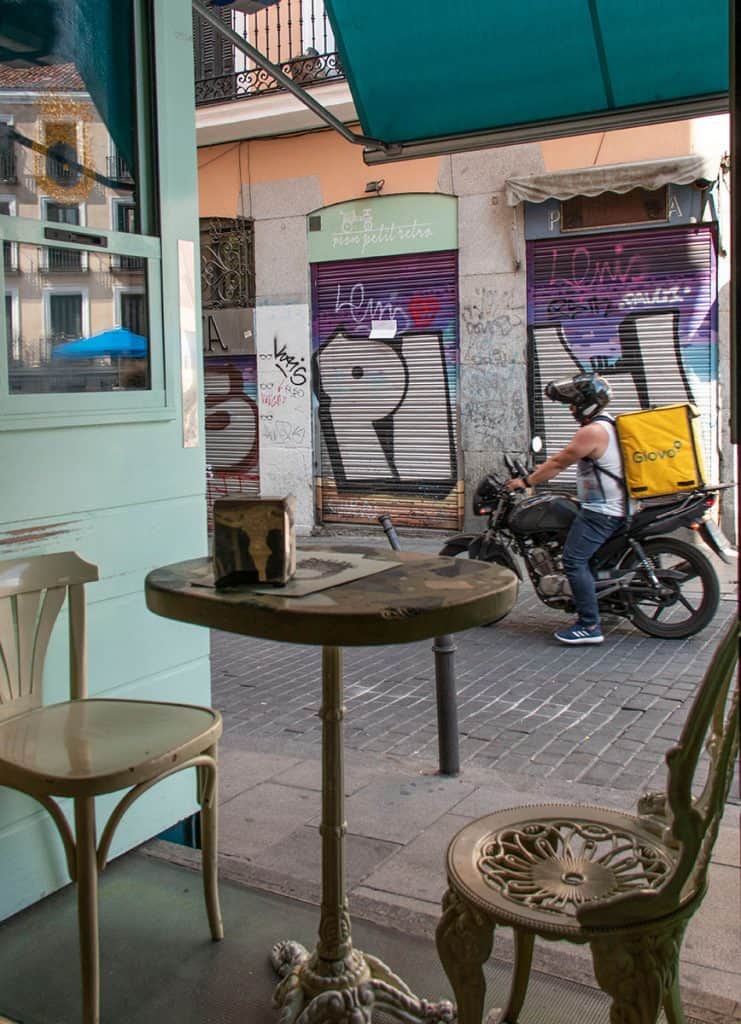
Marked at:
<point>433,77</point>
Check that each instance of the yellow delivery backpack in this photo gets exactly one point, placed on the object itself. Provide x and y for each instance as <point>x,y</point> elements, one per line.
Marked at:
<point>662,450</point>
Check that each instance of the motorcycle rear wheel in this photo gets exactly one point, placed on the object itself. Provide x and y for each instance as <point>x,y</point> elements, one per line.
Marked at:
<point>689,583</point>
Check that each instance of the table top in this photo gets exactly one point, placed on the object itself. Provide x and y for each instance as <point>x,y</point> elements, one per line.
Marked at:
<point>421,596</point>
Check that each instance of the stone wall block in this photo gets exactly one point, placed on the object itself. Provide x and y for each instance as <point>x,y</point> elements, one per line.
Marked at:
<point>494,413</point>
<point>485,233</point>
<point>486,170</point>
<point>445,175</point>
<point>492,318</point>
<point>290,197</point>
<point>281,260</point>
<point>289,471</point>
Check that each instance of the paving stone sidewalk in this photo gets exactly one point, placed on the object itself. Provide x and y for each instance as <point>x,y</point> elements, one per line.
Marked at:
<point>538,723</point>
<point>597,715</point>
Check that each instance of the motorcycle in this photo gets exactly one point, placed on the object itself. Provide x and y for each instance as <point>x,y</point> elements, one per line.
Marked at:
<point>665,586</point>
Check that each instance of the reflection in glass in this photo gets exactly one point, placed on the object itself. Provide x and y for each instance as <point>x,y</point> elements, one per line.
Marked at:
<point>72,332</point>
<point>68,115</point>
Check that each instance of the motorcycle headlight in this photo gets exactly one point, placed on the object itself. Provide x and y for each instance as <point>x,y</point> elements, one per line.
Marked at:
<point>485,495</point>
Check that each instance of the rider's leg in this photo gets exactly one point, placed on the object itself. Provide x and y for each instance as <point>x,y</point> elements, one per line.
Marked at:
<point>588,532</point>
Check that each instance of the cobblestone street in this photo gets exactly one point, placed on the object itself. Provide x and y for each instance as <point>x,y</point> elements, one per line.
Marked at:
<point>603,716</point>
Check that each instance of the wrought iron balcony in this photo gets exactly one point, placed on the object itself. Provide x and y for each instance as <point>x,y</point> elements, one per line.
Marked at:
<point>127,264</point>
<point>62,261</point>
<point>118,169</point>
<point>296,37</point>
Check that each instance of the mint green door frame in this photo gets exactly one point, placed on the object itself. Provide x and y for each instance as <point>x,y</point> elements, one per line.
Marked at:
<point>113,480</point>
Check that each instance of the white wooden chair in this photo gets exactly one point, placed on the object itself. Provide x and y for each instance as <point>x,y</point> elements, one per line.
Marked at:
<point>84,747</point>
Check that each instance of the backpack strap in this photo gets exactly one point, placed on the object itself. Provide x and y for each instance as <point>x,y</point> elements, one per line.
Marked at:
<point>601,471</point>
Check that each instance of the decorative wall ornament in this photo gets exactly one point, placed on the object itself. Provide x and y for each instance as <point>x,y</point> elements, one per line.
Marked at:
<point>66,149</point>
<point>227,262</point>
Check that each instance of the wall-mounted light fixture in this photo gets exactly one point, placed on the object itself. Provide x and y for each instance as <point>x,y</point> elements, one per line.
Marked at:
<point>374,186</point>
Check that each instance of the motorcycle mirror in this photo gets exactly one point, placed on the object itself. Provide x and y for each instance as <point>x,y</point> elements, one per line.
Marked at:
<point>536,444</point>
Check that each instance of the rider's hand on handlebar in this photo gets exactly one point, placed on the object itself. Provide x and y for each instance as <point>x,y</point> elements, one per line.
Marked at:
<point>516,484</point>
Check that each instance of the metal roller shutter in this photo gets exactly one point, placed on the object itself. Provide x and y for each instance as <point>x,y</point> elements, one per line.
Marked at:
<point>232,450</point>
<point>387,408</point>
<point>640,307</point>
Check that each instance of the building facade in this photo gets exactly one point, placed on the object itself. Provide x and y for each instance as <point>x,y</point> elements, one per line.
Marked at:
<point>492,272</point>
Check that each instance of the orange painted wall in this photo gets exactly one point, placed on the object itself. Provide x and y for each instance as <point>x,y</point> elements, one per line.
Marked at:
<point>649,142</point>
<point>336,163</point>
<point>339,166</point>
<point>218,179</point>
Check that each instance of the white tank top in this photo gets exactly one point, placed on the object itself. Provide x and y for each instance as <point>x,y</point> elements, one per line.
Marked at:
<point>599,492</point>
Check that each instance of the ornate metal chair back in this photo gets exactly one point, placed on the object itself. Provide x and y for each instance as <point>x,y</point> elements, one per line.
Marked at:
<point>32,592</point>
<point>688,815</point>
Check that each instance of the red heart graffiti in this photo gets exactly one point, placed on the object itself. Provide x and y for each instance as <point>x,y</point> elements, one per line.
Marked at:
<point>423,309</point>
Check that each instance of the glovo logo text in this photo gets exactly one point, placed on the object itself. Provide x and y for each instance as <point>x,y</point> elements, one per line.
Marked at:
<point>655,454</point>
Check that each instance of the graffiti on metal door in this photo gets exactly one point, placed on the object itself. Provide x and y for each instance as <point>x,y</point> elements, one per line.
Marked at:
<point>386,405</point>
<point>639,308</point>
<point>376,399</point>
<point>231,426</point>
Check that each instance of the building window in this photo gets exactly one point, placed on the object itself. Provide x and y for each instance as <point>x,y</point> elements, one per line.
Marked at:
<point>89,135</point>
<point>12,327</point>
<point>118,169</point>
<point>65,316</point>
<point>61,153</point>
<point>10,249</point>
<point>227,262</point>
<point>124,220</point>
<point>63,261</point>
<point>7,154</point>
<point>133,312</point>
<point>609,209</point>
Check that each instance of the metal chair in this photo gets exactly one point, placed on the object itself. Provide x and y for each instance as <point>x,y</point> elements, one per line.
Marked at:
<point>84,747</point>
<point>626,884</point>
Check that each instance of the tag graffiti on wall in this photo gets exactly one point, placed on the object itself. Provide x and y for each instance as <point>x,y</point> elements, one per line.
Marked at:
<point>284,388</point>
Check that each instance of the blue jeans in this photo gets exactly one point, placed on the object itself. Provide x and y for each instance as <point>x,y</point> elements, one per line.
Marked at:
<point>588,532</point>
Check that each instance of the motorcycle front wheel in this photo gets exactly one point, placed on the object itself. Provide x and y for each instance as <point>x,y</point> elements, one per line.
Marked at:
<point>688,595</point>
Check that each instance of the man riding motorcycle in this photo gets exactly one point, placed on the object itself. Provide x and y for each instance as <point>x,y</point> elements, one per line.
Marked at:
<point>600,491</point>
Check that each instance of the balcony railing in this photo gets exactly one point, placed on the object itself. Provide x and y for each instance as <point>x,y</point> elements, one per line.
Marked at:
<point>62,261</point>
<point>127,264</point>
<point>118,169</point>
<point>294,34</point>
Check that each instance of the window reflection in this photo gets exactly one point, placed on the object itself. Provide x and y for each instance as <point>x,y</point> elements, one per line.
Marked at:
<point>68,115</point>
<point>72,330</point>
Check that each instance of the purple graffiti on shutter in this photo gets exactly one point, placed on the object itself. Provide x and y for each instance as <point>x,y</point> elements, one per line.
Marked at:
<point>637,306</point>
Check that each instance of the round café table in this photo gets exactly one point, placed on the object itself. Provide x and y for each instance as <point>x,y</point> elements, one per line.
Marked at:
<point>418,597</point>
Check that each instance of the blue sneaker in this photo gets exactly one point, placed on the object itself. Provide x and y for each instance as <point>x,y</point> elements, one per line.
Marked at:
<point>578,634</point>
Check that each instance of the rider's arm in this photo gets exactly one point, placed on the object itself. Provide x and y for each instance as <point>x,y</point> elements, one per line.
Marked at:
<point>587,442</point>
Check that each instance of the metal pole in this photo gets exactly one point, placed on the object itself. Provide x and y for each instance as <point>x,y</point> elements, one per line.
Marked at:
<point>447,709</point>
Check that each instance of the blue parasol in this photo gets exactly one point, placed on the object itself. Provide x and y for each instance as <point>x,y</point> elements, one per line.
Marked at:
<point>116,343</point>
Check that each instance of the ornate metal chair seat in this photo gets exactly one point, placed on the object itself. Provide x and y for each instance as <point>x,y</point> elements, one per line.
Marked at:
<point>535,866</point>
<point>626,884</point>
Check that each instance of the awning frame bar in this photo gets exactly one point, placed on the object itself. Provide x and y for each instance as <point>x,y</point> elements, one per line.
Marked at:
<point>607,120</point>
<point>280,76</point>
